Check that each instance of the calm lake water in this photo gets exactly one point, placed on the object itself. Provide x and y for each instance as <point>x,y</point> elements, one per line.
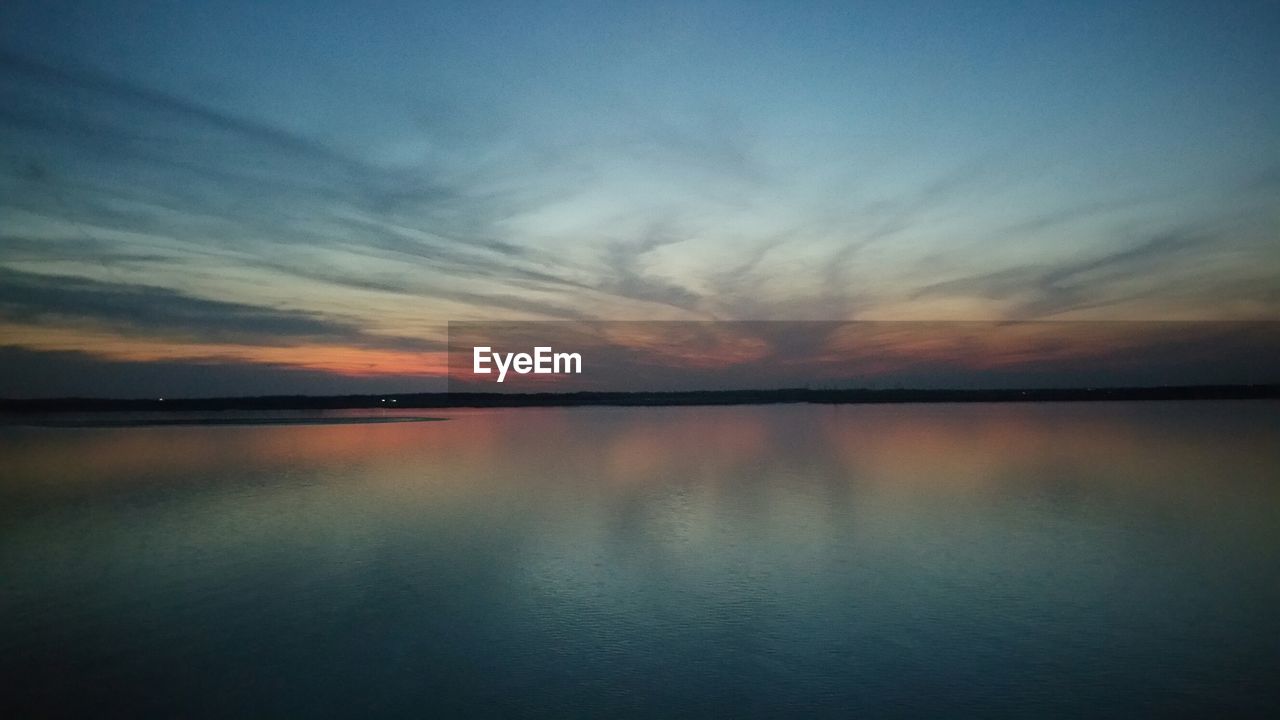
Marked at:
<point>809,561</point>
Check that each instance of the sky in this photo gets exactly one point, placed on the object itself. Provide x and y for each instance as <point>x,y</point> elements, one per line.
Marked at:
<point>248,198</point>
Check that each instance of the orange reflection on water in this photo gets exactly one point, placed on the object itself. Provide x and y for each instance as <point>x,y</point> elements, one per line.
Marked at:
<point>948,448</point>
<point>643,449</point>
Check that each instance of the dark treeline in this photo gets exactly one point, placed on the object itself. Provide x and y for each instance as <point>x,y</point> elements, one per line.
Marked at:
<point>702,397</point>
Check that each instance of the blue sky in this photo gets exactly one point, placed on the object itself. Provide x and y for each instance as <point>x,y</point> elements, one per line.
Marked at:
<point>300,196</point>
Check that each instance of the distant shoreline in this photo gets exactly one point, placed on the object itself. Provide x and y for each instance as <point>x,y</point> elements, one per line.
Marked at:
<point>224,422</point>
<point>638,399</point>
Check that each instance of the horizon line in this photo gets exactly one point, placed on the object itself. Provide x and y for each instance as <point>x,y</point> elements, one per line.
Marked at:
<point>741,396</point>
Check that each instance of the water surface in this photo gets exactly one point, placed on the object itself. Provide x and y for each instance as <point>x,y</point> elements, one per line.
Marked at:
<point>812,561</point>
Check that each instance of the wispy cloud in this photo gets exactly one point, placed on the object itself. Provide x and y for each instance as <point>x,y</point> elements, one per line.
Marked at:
<point>130,308</point>
<point>1044,291</point>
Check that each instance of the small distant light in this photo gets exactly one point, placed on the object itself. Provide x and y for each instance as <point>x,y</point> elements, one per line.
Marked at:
<point>384,399</point>
<point>160,399</point>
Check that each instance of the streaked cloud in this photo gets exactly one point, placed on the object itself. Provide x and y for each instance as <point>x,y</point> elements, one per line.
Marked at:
<point>357,191</point>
